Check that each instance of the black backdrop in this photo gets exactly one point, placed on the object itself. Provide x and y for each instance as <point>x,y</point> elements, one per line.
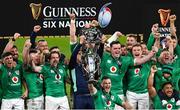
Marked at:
<point>128,16</point>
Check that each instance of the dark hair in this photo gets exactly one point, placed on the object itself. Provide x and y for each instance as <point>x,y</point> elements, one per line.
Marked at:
<point>54,52</point>
<point>165,83</point>
<point>54,47</point>
<point>114,42</point>
<point>123,46</point>
<point>136,45</point>
<point>41,40</point>
<point>6,54</point>
<point>33,51</point>
<point>173,37</point>
<point>105,77</point>
<point>14,46</point>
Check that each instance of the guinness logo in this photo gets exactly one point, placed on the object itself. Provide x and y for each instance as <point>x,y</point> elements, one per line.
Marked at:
<point>36,10</point>
<point>164,16</point>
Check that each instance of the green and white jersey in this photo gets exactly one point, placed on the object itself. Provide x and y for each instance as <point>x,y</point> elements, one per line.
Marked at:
<point>106,101</point>
<point>11,82</point>
<point>34,82</point>
<point>170,104</point>
<point>115,70</point>
<point>137,77</point>
<point>159,79</point>
<point>54,79</point>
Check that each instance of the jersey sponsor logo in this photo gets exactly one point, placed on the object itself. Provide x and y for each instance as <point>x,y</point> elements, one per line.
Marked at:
<point>15,79</point>
<point>137,70</point>
<point>57,76</point>
<point>113,69</point>
<point>168,106</point>
<point>17,72</point>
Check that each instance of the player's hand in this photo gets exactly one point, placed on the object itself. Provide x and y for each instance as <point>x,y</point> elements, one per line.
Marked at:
<point>25,94</point>
<point>153,69</point>
<point>118,33</point>
<point>154,49</point>
<point>72,16</point>
<point>154,28</point>
<point>82,39</point>
<point>16,36</point>
<point>157,35</point>
<point>37,28</point>
<point>172,18</point>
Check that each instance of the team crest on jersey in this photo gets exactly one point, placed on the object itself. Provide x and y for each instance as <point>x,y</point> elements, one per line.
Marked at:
<point>41,77</point>
<point>15,79</point>
<point>137,70</point>
<point>108,103</point>
<point>168,106</point>
<point>113,69</point>
<point>57,76</point>
<point>17,72</point>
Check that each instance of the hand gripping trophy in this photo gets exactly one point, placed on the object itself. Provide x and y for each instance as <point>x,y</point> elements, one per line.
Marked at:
<point>90,57</point>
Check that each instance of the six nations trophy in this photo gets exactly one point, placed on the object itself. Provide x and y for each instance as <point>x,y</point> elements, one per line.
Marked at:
<point>90,58</point>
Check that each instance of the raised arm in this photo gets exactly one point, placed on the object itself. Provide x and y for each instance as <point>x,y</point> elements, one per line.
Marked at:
<point>25,53</point>
<point>73,37</point>
<point>151,89</point>
<point>11,42</point>
<point>151,39</point>
<point>33,35</point>
<point>139,61</point>
<point>172,19</point>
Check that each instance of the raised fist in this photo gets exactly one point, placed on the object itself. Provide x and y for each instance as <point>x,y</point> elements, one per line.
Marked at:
<point>172,18</point>
<point>16,35</point>
<point>37,28</point>
<point>153,69</point>
<point>72,16</point>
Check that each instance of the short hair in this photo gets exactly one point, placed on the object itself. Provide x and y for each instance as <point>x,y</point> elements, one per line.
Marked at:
<point>114,42</point>
<point>33,51</point>
<point>6,54</point>
<point>14,46</point>
<point>54,52</point>
<point>137,45</point>
<point>123,46</point>
<point>105,77</point>
<point>165,83</point>
<point>54,47</point>
<point>42,40</point>
<point>173,37</point>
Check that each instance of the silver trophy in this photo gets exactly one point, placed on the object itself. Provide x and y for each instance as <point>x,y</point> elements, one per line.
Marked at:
<point>90,58</point>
